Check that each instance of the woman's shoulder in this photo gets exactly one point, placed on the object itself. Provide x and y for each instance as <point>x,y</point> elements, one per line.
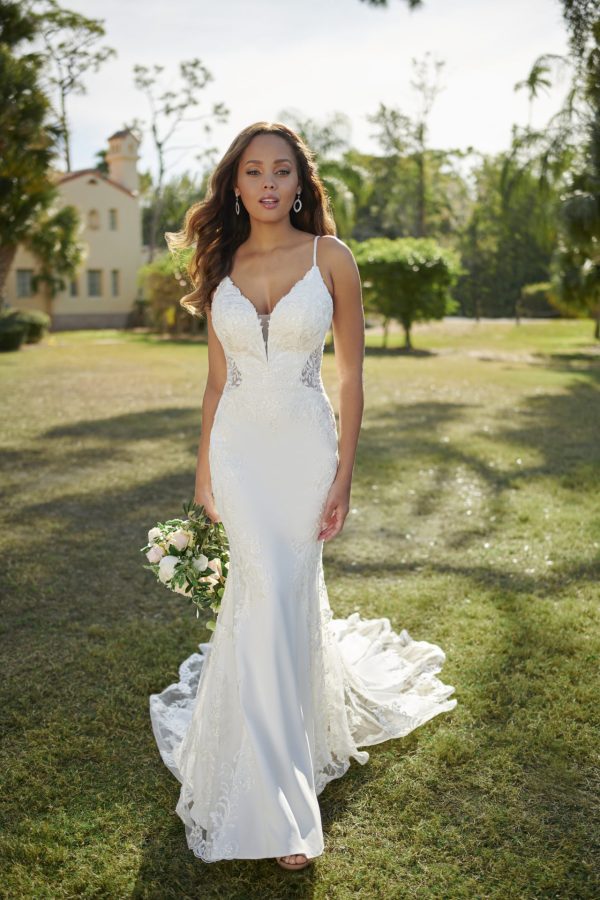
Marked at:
<point>335,252</point>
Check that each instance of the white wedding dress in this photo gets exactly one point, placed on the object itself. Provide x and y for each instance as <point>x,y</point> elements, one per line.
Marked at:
<point>274,706</point>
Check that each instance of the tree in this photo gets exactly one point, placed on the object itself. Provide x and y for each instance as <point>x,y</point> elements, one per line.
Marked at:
<point>167,110</point>
<point>162,280</point>
<point>576,263</point>
<point>414,187</point>
<point>178,194</point>
<point>69,40</point>
<point>346,181</point>
<point>54,243</point>
<point>27,139</point>
<point>428,89</point>
<point>510,235</point>
<point>535,81</point>
<point>407,279</point>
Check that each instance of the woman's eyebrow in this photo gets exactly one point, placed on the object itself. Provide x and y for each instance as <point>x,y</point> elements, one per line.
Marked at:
<point>284,159</point>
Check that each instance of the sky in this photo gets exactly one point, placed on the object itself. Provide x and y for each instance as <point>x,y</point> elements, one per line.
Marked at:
<point>318,59</point>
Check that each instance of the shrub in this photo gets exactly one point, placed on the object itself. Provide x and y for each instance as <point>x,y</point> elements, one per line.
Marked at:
<point>407,279</point>
<point>12,334</point>
<point>35,322</point>
<point>535,300</point>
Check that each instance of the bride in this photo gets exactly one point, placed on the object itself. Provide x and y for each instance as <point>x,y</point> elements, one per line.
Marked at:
<point>283,695</point>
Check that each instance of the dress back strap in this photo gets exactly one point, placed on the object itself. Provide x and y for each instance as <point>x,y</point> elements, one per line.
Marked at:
<point>317,236</point>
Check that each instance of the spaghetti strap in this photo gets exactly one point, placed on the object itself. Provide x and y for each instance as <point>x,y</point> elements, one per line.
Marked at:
<point>315,249</point>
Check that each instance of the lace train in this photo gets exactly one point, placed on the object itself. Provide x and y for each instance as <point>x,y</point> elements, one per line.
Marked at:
<point>390,688</point>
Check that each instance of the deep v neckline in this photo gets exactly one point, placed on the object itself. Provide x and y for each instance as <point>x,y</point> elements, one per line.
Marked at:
<point>260,315</point>
<point>269,315</point>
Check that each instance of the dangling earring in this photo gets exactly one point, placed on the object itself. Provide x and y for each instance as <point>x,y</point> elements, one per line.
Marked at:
<point>237,204</point>
<point>299,202</point>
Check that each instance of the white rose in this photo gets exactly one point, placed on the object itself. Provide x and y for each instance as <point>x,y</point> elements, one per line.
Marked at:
<point>210,579</point>
<point>200,563</point>
<point>166,568</point>
<point>180,539</point>
<point>215,565</point>
<point>182,590</point>
<point>155,553</point>
<point>154,534</point>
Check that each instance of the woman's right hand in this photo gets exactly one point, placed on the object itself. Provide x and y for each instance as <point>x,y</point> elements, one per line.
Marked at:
<point>204,497</point>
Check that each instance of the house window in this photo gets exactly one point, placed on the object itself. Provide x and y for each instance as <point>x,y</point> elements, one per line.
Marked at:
<point>74,288</point>
<point>112,219</point>
<point>114,278</point>
<point>93,219</point>
<point>24,286</point>
<point>94,282</point>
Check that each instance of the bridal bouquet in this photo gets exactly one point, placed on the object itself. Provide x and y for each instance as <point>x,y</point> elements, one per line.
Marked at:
<point>191,557</point>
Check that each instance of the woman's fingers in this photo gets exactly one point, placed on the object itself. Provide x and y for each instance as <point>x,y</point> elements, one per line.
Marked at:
<point>332,525</point>
<point>209,505</point>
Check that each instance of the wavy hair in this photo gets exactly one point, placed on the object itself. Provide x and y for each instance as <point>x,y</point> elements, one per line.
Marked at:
<point>215,231</point>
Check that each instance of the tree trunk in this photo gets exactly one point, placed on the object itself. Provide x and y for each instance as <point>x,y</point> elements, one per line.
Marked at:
<point>421,176</point>
<point>407,341</point>
<point>597,328</point>
<point>386,325</point>
<point>7,255</point>
<point>65,128</point>
<point>47,298</point>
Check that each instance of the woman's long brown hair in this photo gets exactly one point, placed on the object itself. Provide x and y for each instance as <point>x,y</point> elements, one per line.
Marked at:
<point>214,229</point>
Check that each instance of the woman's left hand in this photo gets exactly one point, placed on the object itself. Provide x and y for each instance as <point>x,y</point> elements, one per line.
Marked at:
<point>335,510</point>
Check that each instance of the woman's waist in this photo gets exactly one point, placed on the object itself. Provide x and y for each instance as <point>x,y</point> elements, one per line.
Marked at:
<point>280,404</point>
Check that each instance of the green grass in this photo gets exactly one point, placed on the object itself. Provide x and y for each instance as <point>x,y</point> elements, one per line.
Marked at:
<point>475,524</point>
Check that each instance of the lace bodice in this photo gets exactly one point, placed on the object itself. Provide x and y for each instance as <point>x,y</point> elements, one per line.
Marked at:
<point>270,349</point>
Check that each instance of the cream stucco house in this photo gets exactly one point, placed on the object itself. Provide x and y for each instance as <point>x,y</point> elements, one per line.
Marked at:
<point>103,292</point>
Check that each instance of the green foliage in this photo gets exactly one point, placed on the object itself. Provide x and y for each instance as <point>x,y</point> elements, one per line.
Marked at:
<point>167,211</point>
<point>164,283</point>
<point>408,279</point>
<point>576,262</point>
<point>576,281</point>
<point>509,238</point>
<point>35,322</point>
<point>27,141</point>
<point>536,300</point>
<point>27,147</point>
<point>12,334</point>
<point>54,242</point>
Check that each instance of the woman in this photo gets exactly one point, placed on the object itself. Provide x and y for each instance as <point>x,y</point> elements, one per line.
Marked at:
<point>283,695</point>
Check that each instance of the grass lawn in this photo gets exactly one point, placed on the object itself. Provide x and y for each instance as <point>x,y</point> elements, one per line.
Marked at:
<point>475,524</point>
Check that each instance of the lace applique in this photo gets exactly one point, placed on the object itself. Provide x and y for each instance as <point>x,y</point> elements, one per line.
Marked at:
<point>234,376</point>
<point>311,372</point>
<point>234,779</point>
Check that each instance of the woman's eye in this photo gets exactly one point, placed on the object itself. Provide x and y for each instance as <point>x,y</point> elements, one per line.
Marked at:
<point>254,171</point>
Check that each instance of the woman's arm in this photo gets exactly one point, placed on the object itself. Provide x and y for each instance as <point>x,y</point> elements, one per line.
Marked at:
<point>349,343</point>
<point>215,382</point>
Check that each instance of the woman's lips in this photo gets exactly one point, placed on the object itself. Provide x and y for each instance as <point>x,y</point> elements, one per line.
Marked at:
<point>269,204</point>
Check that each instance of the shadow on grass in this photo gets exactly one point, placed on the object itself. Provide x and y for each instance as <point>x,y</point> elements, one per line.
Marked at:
<point>93,635</point>
<point>395,352</point>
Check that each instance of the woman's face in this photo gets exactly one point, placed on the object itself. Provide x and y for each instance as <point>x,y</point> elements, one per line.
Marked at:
<point>267,169</point>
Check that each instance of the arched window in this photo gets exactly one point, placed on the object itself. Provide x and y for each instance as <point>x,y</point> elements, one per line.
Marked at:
<point>93,219</point>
